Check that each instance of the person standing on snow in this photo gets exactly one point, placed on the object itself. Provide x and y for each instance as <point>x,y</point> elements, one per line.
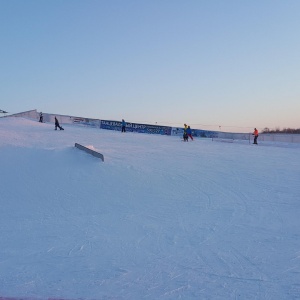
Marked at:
<point>57,125</point>
<point>255,133</point>
<point>123,126</point>
<point>41,117</point>
<point>189,132</point>
<point>185,136</point>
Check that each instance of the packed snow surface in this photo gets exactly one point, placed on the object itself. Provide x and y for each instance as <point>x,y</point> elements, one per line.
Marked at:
<point>158,219</point>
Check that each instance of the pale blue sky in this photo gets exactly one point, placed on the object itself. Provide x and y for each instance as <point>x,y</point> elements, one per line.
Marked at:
<point>234,64</point>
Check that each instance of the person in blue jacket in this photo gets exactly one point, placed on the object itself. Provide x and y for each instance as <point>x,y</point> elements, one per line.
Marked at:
<point>123,126</point>
<point>189,132</point>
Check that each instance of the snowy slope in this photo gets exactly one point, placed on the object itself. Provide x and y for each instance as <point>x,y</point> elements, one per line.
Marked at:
<point>159,219</point>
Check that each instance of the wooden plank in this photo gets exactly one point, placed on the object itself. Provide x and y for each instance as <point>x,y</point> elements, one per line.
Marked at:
<point>90,151</point>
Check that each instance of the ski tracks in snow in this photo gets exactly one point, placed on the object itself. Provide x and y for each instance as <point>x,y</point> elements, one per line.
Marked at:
<point>160,219</point>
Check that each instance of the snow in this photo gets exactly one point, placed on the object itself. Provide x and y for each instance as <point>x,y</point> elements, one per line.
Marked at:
<point>158,219</point>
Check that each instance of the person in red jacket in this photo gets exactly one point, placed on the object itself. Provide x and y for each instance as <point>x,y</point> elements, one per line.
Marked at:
<point>255,133</point>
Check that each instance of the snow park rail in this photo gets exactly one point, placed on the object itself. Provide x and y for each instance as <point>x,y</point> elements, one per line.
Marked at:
<point>90,151</point>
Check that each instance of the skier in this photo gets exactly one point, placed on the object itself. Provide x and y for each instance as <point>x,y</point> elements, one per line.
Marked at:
<point>189,132</point>
<point>41,117</point>
<point>255,133</point>
<point>123,126</point>
<point>185,135</point>
<point>57,125</point>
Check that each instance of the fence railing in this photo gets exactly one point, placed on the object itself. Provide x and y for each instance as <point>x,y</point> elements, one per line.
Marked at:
<point>215,135</point>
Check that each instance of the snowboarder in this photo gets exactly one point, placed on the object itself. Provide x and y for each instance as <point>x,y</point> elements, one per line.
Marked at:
<point>41,117</point>
<point>189,132</point>
<point>57,125</point>
<point>255,133</point>
<point>185,137</point>
<point>123,126</point>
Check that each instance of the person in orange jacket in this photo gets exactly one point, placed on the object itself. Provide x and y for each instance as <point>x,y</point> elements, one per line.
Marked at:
<point>255,133</point>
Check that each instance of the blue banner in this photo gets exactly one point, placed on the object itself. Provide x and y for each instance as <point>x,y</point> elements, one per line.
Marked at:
<point>135,127</point>
<point>204,133</point>
<point>196,133</point>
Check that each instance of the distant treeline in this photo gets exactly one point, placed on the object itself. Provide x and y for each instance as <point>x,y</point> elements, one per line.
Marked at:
<point>284,130</point>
